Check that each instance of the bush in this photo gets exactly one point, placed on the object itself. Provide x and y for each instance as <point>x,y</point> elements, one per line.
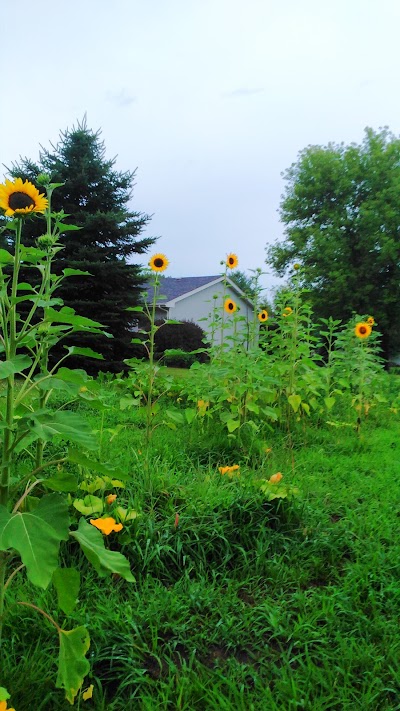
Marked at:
<point>186,336</point>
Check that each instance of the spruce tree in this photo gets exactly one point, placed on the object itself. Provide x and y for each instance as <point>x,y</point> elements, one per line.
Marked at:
<point>96,197</point>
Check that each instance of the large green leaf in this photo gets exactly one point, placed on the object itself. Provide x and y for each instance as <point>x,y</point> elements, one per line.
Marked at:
<point>72,664</point>
<point>4,695</point>
<point>77,457</point>
<point>6,257</point>
<point>62,481</point>
<point>36,535</point>
<point>67,582</point>
<point>75,272</point>
<point>64,423</point>
<point>294,401</point>
<point>103,560</point>
<point>89,506</point>
<point>14,365</point>
<point>87,352</point>
<point>232,425</point>
<point>66,315</point>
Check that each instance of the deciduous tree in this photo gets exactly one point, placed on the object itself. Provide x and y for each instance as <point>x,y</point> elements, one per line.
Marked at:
<point>341,211</point>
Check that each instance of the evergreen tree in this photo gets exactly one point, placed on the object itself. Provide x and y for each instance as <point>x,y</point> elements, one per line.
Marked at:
<point>95,196</point>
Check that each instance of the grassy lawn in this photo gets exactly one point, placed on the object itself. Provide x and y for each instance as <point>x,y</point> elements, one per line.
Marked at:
<point>239,603</point>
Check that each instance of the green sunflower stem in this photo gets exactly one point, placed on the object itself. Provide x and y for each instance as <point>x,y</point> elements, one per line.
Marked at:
<point>153,329</point>
<point>44,356</point>
<point>3,565</point>
<point>10,352</point>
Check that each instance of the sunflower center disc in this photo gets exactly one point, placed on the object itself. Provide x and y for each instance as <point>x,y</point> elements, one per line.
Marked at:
<point>158,262</point>
<point>18,201</point>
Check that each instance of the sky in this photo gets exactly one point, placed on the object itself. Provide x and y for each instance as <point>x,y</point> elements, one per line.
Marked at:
<point>209,100</point>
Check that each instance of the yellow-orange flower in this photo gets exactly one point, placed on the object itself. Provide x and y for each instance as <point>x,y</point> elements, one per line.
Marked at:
<point>4,707</point>
<point>296,266</point>
<point>88,693</point>
<point>202,406</point>
<point>18,198</point>
<point>287,311</point>
<point>230,306</point>
<point>275,478</point>
<point>371,321</point>
<point>106,526</point>
<point>232,261</point>
<point>111,498</point>
<point>363,330</point>
<point>229,470</point>
<point>262,316</point>
<point>158,263</point>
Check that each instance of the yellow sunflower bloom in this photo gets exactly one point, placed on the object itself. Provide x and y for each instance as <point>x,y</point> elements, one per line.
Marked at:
<point>371,321</point>
<point>232,261</point>
<point>106,526</point>
<point>363,330</point>
<point>230,306</point>
<point>262,316</point>
<point>287,311</point>
<point>158,263</point>
<point>18,198</point>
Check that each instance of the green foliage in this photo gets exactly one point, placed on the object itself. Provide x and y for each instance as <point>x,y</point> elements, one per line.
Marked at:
<point>36,535</point>
<point>104,561</point>
<point>341,213</point>
<point>184,338</point>
<point>67,582</point>
<point>32,527</point>
<point>96,198</point>
<point>72,664</point>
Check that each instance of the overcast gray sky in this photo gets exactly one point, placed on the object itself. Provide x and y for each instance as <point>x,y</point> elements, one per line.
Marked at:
<point>210,99</point>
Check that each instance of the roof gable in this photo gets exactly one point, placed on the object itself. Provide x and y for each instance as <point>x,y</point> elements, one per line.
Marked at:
<point>173,289</point>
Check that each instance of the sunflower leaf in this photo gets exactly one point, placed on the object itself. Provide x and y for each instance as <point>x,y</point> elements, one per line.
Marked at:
<point>72,663</point>
<point>104,561</point>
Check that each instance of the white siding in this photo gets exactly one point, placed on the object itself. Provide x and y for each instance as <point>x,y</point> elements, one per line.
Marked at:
<point>200,305</point>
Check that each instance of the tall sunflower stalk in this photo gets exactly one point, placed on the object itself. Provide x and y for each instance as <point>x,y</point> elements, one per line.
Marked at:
<point>362,331</point>
<point>229,306</point>
<point>17,199</point>
<point>34,534</point>
<point>158,263</point>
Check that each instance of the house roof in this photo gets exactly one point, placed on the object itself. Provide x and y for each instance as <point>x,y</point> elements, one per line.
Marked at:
<point>174,289</point>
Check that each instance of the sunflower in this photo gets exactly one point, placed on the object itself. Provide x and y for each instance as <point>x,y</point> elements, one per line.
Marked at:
<point>287,311</point>
<point>158,263</point>
<point>232,261</point>
<point>18,198</point>
<point>371,321</point>
<point>363,330</point>
<point>230,306</point>
<point>262,316</point>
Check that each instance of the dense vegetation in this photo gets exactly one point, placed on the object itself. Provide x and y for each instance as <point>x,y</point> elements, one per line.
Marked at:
<point>340,210</point>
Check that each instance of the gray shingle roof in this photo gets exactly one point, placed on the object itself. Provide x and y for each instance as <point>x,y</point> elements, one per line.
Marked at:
<point>171,288</point>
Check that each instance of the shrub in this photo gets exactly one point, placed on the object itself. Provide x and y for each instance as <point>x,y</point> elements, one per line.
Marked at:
<point>185,336</point>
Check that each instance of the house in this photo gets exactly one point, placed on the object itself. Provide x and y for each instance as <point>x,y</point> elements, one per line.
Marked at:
<point>196,298</point>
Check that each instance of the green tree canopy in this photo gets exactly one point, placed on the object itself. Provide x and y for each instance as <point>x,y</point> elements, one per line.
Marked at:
<point>96,197</point>
<point>341,211</point>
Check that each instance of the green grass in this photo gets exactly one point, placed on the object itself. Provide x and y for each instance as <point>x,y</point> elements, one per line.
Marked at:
<point>246,604</point>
